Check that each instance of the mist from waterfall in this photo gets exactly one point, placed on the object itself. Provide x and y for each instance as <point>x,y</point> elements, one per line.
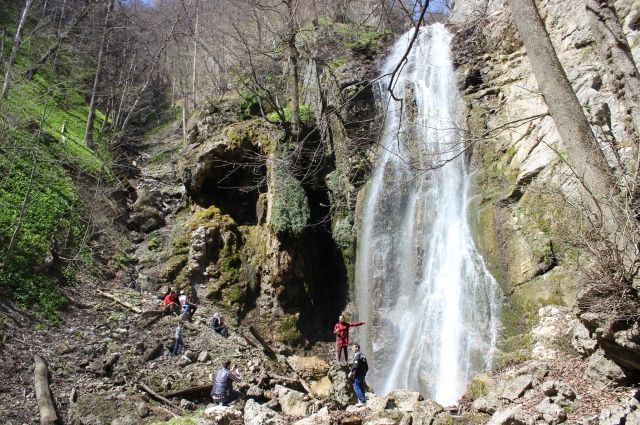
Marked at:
<point>431,304</point>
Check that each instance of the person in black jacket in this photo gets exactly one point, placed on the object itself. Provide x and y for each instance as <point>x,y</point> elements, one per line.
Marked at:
<point>359,369</point>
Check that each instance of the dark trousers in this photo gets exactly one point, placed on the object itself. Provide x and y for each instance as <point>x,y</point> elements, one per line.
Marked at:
<point>342,349</point>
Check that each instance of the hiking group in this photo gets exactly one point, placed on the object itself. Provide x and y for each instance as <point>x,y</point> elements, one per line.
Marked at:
<point>222,391</point>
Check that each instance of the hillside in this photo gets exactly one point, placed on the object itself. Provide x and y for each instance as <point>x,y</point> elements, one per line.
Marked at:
<point>290,162</point>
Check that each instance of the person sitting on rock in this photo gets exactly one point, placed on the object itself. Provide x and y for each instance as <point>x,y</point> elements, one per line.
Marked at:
<point>341,331</point>
<point>192,304</point>
<point>218,325</point>
<point>184,306</point>
<point>171,303</point>
<point>358,372</point>
<point>222,391</point>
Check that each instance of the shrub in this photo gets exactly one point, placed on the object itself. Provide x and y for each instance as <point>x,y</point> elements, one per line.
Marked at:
<point>290,208</point>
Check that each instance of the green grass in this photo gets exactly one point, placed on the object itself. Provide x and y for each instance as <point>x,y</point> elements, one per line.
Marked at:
<point>38,165</point>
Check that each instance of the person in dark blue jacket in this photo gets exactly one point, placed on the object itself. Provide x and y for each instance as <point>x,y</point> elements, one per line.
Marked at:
<point>359,369</point>
<point>222,390</point>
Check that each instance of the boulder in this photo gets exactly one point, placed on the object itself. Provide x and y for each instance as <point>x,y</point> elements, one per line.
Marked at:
<point>293,403</point>
<point>551,412</point>
<point>513,415</point>
<point>515,388</point>
<point>488,404</point>
<point>322,388</point>
<point>424,412</point>
<point>258,414</point>
<point>341,390</point>
<point>613,415</point>
<point>255,391</point>
<point>310,368</point>
<point>603,372</point>
<point>321,417</point>
<point>558,390</point>
<point>222,415</point>
<point>351,420</point>
<point>405,400</point>
<point>203,356</point>
<point>376,403</point>
<point>383,417</point>
<point>582,340</point>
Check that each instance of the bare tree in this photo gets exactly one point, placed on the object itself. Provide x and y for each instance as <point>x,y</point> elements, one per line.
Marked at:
<point>88,133</point>
<point>14,48</point>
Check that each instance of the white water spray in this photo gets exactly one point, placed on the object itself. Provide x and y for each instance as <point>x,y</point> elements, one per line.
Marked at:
<point>430,303</point>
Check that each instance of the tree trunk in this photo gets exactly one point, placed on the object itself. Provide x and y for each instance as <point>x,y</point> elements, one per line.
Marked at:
<point>615,53</point>
<point>194,99</point>
<point>584,155</point>
<point>293,54</point>
<point>88,133</point>
<point>14,49</point>
<point>48,415</point>
<point>3,34</point>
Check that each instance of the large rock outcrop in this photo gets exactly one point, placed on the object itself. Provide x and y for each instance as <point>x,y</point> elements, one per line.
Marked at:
<point>523,223</point>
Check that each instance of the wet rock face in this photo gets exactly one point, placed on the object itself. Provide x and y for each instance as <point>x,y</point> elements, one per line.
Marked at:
<point>521,234</point>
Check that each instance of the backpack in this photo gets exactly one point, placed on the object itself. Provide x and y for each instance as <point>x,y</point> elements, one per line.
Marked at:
<point>363,366</point>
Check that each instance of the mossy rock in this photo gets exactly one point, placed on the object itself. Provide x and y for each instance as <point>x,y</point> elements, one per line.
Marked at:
<point>287,330</point>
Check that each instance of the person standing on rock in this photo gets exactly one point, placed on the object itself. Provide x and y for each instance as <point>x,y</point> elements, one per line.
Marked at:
<point>359,369</point>
<point>222,391</point>
<point>177,347</point>
<point>341,331</point>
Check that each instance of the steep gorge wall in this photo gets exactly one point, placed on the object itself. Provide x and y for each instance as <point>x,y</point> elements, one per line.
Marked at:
<point>523,224</point>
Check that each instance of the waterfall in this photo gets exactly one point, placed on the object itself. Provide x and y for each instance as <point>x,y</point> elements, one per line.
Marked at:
<point>431,304</point>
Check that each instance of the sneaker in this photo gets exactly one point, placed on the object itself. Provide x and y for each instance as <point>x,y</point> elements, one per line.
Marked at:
<point>360,404</point>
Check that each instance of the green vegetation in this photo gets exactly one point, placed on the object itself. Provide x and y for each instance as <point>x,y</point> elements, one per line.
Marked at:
<point>42,156</point>
<point>287,331</point>
<point>290,209</point>
<point>362,39</point>
<point>306,115</point>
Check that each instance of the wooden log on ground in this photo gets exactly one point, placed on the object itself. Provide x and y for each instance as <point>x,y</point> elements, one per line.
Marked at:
<point>269,351</point>
<point>122,303</point>
<point>265,346</point>
<point>158,397</point>
<point>48,414</point>
<point>191,391</point>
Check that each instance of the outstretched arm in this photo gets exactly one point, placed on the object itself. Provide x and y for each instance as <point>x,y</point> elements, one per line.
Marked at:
<point>357,323</point>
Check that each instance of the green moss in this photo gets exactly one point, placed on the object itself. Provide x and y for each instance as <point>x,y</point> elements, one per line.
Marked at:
<point>287,330</point>
<point>364,39</point>
<point>338,62</point>
<point>290,208</point>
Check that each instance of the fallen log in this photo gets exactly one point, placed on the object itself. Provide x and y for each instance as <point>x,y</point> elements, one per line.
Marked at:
<point>158,397</point>
<point>48,414</point>
<point>265,346</point>
<point>191,391</point>
<point>122,303</point>
<point>269,352</point>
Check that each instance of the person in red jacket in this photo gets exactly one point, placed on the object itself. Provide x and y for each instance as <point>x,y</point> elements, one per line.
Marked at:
<point>171,304</point>
<point>341,331</point>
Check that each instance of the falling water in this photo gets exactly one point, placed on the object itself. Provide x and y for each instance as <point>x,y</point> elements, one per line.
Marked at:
<point>430,302</point>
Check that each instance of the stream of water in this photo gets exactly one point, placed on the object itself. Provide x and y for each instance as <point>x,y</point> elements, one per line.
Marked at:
<point>431,305</point>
